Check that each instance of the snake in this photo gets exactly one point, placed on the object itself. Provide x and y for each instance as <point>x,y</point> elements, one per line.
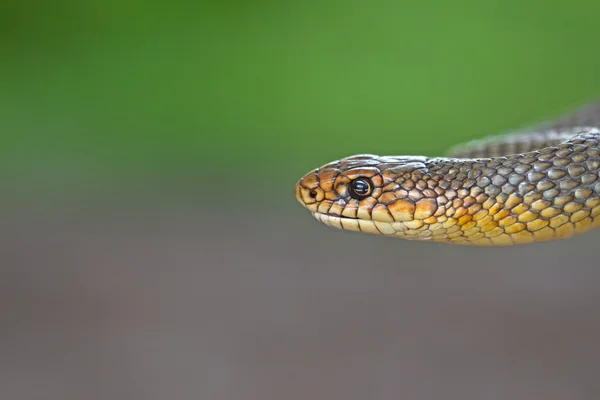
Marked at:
<point>527,186</point>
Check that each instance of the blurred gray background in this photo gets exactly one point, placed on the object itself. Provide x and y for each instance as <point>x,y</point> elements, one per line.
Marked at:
<point>152,247</point>
<point>226,305</point>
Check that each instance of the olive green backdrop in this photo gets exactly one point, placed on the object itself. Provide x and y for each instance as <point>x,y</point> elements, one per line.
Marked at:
<point>267,90</point>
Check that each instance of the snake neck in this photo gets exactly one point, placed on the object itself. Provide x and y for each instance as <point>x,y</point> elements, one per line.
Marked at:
<point>541,194</point>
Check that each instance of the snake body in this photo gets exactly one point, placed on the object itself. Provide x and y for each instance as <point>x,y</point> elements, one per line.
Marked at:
<point>538,185</point>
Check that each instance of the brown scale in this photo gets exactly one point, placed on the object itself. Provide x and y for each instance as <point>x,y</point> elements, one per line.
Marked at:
<point>512,189</point>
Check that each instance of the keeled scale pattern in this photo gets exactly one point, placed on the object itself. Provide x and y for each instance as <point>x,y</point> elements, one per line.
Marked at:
<point>542,195</point>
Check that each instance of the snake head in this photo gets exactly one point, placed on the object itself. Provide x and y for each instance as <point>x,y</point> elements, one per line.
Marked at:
<point>369,193</point>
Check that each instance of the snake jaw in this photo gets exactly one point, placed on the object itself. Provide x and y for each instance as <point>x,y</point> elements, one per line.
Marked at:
<point>397,229</point>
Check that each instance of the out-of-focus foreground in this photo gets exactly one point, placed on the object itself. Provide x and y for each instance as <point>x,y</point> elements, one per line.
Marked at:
<point>152,247</point>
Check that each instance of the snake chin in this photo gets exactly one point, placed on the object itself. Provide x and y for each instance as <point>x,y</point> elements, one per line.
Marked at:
<point>358,225</point>
<point>337,221</point>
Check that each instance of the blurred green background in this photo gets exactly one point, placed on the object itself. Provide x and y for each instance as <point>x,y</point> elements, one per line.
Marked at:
<point>254,94</point>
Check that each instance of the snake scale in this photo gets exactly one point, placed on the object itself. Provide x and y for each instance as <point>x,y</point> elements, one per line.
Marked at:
<point>537,185</point>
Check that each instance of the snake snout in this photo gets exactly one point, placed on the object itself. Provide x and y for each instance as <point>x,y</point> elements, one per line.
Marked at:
<point>300,193</point>
<point>308,193</point>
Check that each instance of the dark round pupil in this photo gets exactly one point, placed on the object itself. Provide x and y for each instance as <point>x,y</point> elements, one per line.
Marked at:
<point>360,187</point>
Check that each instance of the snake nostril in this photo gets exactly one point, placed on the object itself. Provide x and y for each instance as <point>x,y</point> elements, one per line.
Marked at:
<point>313,194</point>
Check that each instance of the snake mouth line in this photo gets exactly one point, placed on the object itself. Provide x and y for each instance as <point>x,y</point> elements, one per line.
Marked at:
<point>332,215</point>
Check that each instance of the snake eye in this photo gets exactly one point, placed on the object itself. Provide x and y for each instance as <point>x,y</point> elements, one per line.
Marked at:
<point>360,188</point>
